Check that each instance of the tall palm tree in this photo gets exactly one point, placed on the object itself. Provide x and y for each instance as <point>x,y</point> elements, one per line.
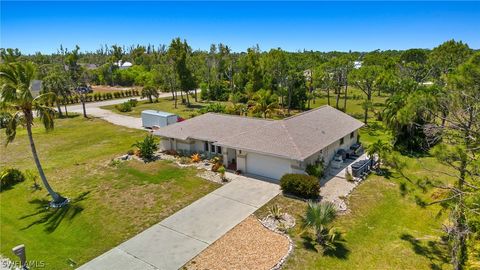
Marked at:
<point>318,216</point>
<point>265,102</point>
<point>16,99</point>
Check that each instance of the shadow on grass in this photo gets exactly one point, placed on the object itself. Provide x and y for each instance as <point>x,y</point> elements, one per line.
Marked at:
<point>435,251</point>
<point>340,252</point>
<point>51,218</point>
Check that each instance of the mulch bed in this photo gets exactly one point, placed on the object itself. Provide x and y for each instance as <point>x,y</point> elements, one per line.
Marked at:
<point>249,245</point>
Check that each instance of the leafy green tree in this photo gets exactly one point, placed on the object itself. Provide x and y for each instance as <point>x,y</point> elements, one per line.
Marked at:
<point>318,216</point>
<point>448,56</point>
<point>460,153</point>
<point>16,99</point>
<point>150,91</point>
<point>365,79</point>
<point>179,52</point>
<point>264,102</point>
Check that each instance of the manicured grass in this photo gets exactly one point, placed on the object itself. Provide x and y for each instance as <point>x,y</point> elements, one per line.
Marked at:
<point>166,105</point>
<point>382,230</point>
<point>109,203</point>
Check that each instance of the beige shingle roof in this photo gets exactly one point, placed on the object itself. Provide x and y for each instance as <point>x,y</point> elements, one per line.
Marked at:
<point>297,137</point>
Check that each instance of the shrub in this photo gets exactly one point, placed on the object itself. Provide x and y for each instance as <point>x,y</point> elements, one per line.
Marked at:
<point>221,170</point>
<point>196,158</point>
<point>133,102</point>
<point>348,175</point>
<point>124,107</point>
<point>316,169</point>
<point>185,160</point>
<point>147,148</point>
<point>301,185</point>
<point>214,107</point>
<point>10,177</point>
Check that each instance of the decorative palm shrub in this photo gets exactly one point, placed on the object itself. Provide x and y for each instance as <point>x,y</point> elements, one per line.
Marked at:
<point>348,175</point>
<point>317,169</point>
<point>147,148</point>
<point>10,177</point>
<point>301,185</point>
<point>317,217</point>
<point>196,157</point>
<point>275,212</point>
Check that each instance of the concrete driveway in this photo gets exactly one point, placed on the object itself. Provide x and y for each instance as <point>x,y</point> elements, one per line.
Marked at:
<point>179,238</point>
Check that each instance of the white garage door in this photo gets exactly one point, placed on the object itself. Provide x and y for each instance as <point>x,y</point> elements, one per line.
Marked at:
<point>267,166</point>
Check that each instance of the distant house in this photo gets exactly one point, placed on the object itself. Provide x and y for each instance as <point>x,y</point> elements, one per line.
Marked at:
<point>124,65</point>
<point>357,64</point>
<point>36,87</point>
<point>267,148</point>
<point>307,74</point>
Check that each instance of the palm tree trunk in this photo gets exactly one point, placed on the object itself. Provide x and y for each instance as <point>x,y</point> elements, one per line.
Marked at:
<point>59,109</point>
<point>65,106</point>
<point>328,96</point>
<point>345,99</point>
<point>56,198</point>
<point>83,107</point>
<point>188,100</point>
<point>196,95</point>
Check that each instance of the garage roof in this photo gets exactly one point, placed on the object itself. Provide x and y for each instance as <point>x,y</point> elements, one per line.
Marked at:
<point>297,137</point>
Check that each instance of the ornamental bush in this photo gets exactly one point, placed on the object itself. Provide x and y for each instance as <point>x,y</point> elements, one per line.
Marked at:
<point>300,185</point>
<point>10,177</point>
<point>147,148</point>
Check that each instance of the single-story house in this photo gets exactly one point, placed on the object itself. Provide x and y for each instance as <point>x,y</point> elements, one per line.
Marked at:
<point>266,148</point>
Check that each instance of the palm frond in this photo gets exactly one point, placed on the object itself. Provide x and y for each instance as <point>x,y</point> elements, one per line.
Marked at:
<point>46,115</point>
<point>14,120</point>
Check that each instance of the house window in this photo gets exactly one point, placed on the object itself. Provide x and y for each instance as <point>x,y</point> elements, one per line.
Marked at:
<point>206,147</point>
<point>219,149</point>
<point>352,134</point>
<point>341,141</point>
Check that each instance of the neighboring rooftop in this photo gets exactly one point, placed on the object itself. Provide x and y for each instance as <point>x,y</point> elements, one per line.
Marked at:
<point>296,137</point>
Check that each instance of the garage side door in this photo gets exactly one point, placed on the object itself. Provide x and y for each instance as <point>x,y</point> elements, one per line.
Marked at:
<point>267,166</point>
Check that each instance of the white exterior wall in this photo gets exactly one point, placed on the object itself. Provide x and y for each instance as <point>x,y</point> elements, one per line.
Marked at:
<point>267,166</point>
<point>165,144</point>
<point>329,152</point>
<point>183,145</point>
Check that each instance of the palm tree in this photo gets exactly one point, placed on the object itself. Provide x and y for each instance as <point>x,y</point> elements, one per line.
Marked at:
<point>57,84</point>
<point>265,102</point>
<point>16,99</point>
<point>318,216</point>
<point>149,91</point>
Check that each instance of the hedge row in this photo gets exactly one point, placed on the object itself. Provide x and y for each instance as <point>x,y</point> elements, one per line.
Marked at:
<point>74,99</point>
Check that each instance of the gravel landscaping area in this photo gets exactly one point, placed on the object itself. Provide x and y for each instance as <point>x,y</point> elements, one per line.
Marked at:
<point>247,246</point>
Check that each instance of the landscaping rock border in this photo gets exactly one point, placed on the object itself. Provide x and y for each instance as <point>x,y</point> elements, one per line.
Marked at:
<point>290,243</point>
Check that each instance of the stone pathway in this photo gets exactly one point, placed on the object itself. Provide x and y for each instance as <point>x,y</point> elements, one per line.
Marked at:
<point>179,238</point>
<point>334,187</point>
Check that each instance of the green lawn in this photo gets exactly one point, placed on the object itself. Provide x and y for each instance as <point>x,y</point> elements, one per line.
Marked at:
<point>383,229</point>
<point>109,203</point>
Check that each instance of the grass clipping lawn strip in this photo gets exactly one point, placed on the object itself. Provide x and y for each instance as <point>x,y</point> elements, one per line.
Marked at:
<point>249,245</point>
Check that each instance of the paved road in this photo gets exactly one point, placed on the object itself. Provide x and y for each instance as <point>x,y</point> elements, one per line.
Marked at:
<point>93,109</point>
<point>179,238</point>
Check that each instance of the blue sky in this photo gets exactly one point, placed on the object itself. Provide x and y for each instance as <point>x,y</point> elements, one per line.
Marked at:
<point>324,26</point>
